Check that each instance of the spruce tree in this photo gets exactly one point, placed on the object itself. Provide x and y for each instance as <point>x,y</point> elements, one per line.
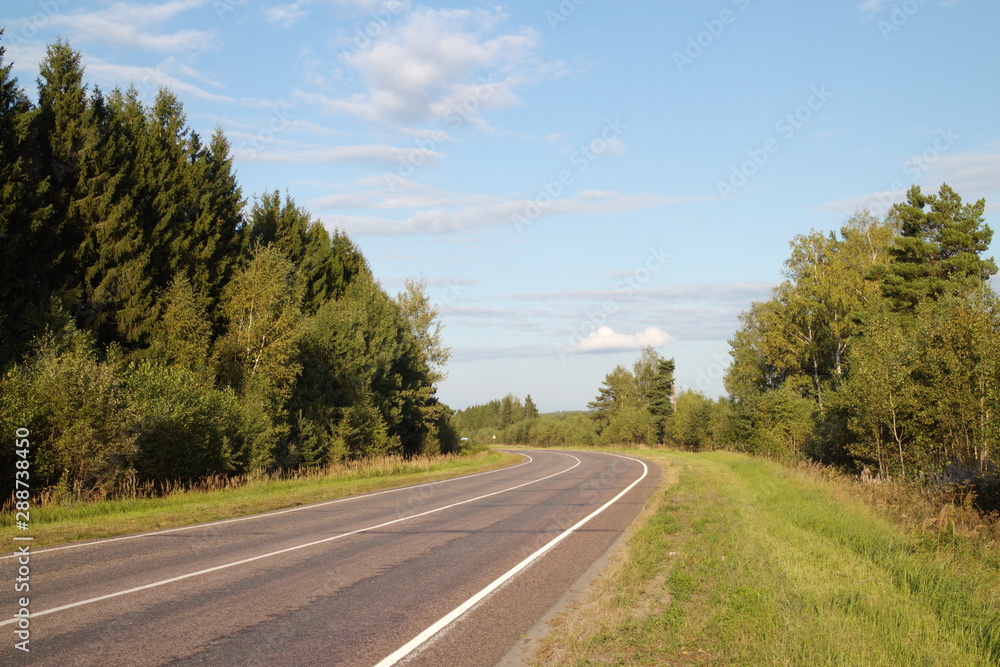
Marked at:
<point>212,248</point>
<point>116,253</point>
<point>63,123</point>
<point>23,293</point>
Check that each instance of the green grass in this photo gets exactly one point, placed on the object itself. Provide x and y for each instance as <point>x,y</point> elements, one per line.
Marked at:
<point>68,522</point>
<point>771,565</point>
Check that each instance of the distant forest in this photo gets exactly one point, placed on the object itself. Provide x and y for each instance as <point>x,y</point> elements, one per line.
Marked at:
<point>154,326</point>
<point>878,353</point>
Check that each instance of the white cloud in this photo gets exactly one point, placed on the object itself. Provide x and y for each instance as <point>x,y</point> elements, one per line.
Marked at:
<point>128,25</point>
<point>444,65</point>
<point>605,338</point>
<point>284,15</point>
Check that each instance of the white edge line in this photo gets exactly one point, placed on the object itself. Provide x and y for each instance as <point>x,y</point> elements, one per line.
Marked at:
<point>163,582</point>
<point>263,515</point>
<point>415,643</point>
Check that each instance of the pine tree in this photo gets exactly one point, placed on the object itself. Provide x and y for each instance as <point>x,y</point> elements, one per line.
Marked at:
<point>661,396</point>
<point>938,250</point>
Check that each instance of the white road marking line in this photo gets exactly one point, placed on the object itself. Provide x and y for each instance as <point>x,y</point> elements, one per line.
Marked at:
<point>189,575</point>
<point>446,620</point>
<point>265,514</point>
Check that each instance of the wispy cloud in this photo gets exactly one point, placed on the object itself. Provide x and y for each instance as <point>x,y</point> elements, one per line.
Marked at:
<point>474,211</point>
<point>165,75</point>
<point>380,155</point>
<point>132,25</point>
<point>973,174</point>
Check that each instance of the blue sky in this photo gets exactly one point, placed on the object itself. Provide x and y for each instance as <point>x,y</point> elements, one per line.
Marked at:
<point>573,178</point>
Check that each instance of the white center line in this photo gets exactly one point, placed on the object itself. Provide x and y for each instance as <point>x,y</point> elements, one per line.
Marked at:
<point>189,575</point>
<point>451,616</point>
<point>310,506</point>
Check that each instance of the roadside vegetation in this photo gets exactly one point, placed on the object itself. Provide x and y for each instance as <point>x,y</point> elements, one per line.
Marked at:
<point>840,504</point>
<point>742,560</point>
<point>156,328</point>
<point>878,355</point>
<point>224,497</point>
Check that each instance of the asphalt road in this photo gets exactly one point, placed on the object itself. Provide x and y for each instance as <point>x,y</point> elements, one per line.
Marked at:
<point>448,573</point>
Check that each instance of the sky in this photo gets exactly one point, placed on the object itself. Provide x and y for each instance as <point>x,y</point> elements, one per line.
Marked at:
<point>573,179</point>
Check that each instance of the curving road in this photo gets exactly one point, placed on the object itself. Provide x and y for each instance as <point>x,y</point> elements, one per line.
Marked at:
<point>447,573</point>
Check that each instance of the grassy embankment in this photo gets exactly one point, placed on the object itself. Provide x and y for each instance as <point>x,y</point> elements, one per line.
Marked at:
<point>744,561</point>
<point>57,523</point>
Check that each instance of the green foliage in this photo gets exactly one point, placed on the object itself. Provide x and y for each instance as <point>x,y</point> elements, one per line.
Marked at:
<point>23,291</point>
<point>257,356</point>
<point>634,407</point>
<point>937,252</point>
<point>698,423</point>
<point>425,327</point>
<point>881,395</point>
<point>77,410</point>
<point>185,428</point>
<point>660,397</point>
<point>880,350</point>
<point>183,335</point>
<point>485,421</point>
<point>185,328</point>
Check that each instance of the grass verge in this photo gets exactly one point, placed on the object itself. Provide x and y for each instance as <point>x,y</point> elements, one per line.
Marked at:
<point>744,561</point>
<point>68,522</point>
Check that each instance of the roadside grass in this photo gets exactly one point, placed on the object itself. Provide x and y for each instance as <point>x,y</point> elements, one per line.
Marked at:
<point>61,522</point>
<point>745,561</point>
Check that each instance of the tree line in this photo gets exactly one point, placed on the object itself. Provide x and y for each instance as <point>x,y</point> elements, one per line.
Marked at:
<point>634,406</point>
<point>879,351</point>
<point>155,326</point>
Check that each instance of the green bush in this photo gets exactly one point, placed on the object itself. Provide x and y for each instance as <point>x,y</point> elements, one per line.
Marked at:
<point>77,411</point>
<point>184,429</point>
